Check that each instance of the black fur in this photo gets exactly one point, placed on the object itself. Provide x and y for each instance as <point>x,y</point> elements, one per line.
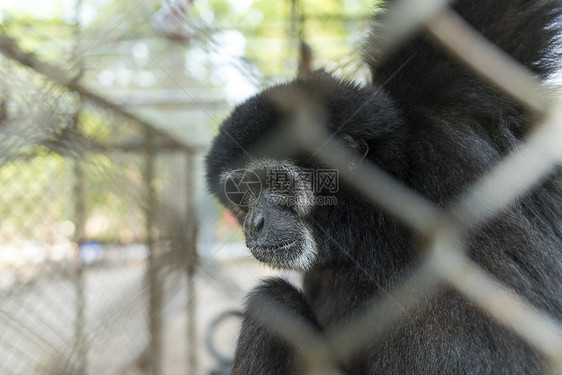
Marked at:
<point>437,128</point>
<point>262,352</point>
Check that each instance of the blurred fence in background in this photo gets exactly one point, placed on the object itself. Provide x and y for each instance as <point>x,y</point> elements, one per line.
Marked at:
<point>97,242</point>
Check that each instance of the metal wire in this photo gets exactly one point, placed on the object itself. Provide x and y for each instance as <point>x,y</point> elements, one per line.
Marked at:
<point>446,264</point>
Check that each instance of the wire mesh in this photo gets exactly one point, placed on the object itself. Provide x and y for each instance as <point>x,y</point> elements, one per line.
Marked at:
<point>56,318</point>
<point>447,228</point>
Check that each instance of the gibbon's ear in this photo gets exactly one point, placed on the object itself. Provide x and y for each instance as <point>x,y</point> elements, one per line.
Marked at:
<point>361,149</point>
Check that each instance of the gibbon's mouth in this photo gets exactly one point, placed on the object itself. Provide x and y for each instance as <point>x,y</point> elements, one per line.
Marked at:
<point>274,248</point>
<point>274,254</point>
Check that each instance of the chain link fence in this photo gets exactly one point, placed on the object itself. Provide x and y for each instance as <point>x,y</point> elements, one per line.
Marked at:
<point>97,242</point>
<point>98,234</point>
<point>445,229</point>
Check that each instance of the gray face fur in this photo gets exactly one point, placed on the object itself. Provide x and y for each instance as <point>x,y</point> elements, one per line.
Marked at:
<point>273,202</point>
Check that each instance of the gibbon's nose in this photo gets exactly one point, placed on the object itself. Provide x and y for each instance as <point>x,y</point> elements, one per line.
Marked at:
<point>256,223</point>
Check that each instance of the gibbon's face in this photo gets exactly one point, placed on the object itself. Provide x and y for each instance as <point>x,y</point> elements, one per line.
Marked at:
<point>257,169</point>
<point>273,199</point>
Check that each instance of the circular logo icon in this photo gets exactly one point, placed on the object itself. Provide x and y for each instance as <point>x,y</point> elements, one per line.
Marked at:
<point>242,187</point>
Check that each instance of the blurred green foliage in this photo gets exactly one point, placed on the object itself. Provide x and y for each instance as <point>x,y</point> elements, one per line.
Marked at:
<point>38,180</point>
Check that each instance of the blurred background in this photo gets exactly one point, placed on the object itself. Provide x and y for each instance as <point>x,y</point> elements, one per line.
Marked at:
<point>113,258</point>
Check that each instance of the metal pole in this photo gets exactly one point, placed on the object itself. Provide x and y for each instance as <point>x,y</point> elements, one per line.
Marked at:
<point>155,303</point>
<point>191,262</point>
<point>79,217</point>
